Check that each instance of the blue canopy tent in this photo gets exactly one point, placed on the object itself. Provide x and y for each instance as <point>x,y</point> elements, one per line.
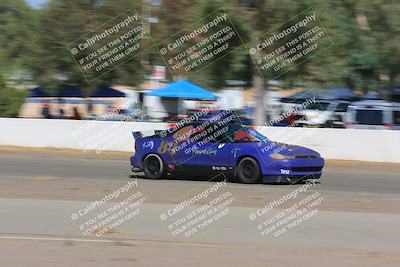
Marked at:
<point>37,92</point>
<point>372,96</point>
<point>343,93</point>
<point>331,94</point>
<point>69,91</point>
<point>172,94</point>
<point>105,91</point>
<point>300,97</point>
<point>183,90</point>
<point>62,91</point>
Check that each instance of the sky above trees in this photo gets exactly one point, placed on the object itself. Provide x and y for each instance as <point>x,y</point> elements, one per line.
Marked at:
<point>364,55</point>
<point>36,3</point>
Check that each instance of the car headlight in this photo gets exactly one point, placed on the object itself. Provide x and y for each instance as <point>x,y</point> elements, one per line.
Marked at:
<point>281,157</point>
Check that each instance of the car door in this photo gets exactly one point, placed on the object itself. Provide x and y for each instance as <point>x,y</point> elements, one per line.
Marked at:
<point>175,145</point>
<point>204,153</point>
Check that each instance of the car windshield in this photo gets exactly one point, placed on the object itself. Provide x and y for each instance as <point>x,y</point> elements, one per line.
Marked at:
<point>241,134</point>
<point>342,107</point>
<point>369,117</point>
<point>218,133</point>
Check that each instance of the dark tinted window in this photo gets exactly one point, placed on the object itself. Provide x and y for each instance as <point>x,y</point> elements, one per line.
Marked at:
<point>318,106</point>
<point>342,107</point>
<point>370,117</point>
<point>396,117</point>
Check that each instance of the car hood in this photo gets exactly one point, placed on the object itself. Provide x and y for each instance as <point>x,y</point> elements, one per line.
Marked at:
<point>290,150</point>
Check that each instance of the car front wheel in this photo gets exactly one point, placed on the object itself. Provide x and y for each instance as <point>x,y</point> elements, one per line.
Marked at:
<point>154,167</point>
<point>248,171</point>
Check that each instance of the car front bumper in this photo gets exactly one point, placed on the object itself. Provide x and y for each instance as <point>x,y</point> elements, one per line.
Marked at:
<point>285,179</point>
<point>292,170</point>
<point>136,169</point>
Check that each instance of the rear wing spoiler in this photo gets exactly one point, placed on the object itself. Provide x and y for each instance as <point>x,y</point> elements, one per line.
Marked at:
<point>148,134</point>
<point>137,135</point>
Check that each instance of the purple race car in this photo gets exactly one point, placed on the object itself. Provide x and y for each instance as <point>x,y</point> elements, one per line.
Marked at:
<point>241,153</point>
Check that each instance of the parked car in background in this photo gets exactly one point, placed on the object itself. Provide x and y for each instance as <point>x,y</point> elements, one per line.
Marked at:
<point>240,116</point>
<point>339,115</point>
<point>119,115</point>
<point>373,114</point>
<point>323,113</point>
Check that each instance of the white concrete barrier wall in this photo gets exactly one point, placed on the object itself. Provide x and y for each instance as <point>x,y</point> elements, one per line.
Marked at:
<point>84,135</point>
<point>345,144</point>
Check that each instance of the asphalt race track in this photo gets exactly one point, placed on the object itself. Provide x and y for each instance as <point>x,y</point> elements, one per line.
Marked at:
<point>357,223</point>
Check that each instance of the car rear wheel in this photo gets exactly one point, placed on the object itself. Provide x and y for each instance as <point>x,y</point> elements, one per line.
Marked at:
<point>154,167</point>
<point>248,171</point>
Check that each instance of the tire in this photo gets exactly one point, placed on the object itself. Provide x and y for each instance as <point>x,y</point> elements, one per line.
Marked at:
<point>154,167</point>
<point>248,171</point>
<point>327,124</point>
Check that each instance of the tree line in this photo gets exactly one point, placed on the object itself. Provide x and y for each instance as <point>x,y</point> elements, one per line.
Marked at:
<point>365,51</point>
